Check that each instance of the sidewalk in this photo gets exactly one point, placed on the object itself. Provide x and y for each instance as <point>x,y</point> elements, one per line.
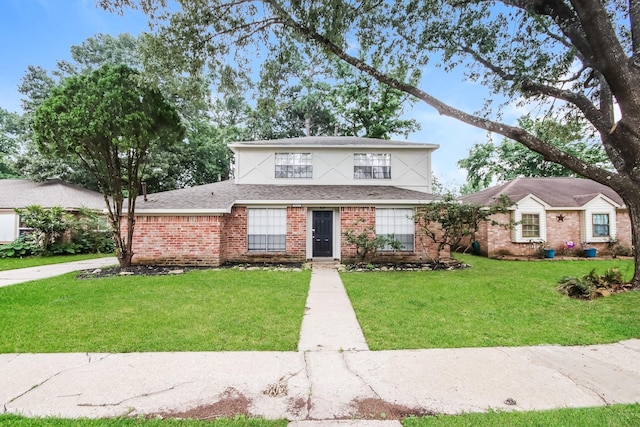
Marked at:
<point>329,379</point>
<point>12,277</point>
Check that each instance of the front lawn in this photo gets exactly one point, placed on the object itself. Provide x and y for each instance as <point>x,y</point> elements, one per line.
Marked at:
<point>33,261</point>
<point>17,421</point>
<point>604,416</point>
<point>207,310</point>
<point>493,303</point>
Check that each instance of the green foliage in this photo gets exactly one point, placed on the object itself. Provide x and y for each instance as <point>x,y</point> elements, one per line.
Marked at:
<point>56,232</point>
<point>366,241</point>
<point>48,224</point>
<point>367,108</point>
<point>90,233</point>
<point>21,247</point>
<point>447,221</point>
<point>111,123</point>
<point>9,134</point>
<point>592,285</point>
<point>487,163</point>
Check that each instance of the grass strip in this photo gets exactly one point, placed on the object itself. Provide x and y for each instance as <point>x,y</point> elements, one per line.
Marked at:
<point>603,416</point>
<point>18,421</point>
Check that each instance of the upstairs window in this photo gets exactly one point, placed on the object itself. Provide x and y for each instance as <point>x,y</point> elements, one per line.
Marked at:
<point>396,223</point>
<point>600,225</point>
<point>294,165</point>
<point>266,230</point>
<point>371,166</point>
<point>531,225</point>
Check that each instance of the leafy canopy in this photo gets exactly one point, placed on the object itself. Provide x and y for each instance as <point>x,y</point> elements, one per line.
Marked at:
<point>111,123</point>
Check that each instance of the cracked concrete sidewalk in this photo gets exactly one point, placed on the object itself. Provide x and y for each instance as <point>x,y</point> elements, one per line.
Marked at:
<point>322,383</point>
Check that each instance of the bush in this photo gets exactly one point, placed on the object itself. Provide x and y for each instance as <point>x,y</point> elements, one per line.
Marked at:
<point>593,285</point>
<point>56,232</point>
<point>21,247</point>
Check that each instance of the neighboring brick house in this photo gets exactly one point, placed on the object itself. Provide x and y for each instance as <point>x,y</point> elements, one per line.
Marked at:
<point>553,211</point>
<point>20,193</point>
<point>291,200</point>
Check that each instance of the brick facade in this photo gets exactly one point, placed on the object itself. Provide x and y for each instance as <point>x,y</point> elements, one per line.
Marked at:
<point>496,241</point>
<point>352,216</point>
<point>213,240</point>
<point>177,240</point>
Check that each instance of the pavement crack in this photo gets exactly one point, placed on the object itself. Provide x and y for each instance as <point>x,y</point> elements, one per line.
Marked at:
<point>585,387</point>
<point>353,372</point>
<point>306,372</point>
<point>34,387</point>
<point>152,393</point>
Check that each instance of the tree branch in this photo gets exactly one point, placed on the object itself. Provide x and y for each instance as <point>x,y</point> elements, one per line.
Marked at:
<point>549,152</point>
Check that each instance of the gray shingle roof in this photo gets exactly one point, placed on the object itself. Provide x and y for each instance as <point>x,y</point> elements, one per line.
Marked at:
<point>556,192</point>
<point>220,196</point>
<point>332,141</point>
<point>20,193</point>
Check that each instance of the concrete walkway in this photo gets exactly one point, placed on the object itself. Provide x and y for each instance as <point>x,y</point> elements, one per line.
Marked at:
<point>12,277</point>
<point>329,382</point>
<point>329,322</point>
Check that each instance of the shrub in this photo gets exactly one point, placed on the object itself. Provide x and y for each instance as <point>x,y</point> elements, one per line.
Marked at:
<point>593,285</point>
<point>366,241</point>
<point>21,247</point>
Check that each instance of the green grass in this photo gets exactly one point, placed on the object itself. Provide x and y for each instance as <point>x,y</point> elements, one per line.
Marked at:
<point>32,261</point>
<point>207,310</point>
<point>493,303</point>
<point>611,416</point>
<point>16,421</point>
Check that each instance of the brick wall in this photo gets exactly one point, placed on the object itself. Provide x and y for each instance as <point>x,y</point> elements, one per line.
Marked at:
<point>235,235</point>
<point>177,240</point>
<point>358,219</point>
<point>623,223</point>
<point>350,218</point>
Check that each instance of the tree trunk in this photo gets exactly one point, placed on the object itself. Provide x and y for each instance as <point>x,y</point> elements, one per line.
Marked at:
<point>633,205</point>
<point>124,258</point>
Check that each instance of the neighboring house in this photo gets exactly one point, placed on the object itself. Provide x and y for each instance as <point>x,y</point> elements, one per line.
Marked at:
<point>292,200</point>
<point>558,212</point>
<point>20,193</point>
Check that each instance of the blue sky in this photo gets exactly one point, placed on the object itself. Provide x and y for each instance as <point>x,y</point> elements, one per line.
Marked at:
<point>40,32</point>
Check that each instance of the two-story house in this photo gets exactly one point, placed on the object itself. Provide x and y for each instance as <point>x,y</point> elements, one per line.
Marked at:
<point>292,200</point>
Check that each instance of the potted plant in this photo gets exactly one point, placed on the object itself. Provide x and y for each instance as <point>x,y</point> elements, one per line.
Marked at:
<point>589,251</point>
<point>549,252</point>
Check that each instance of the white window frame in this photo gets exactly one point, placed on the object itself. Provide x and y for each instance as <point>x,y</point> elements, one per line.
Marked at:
<point>539,236</point>
<point>593,225</point>
<point>399,223</point>
<point>293,165</point>
<point>266,229</point>
<point>371,166</point>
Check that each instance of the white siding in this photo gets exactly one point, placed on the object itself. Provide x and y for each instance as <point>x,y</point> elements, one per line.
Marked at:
<point>8,227</point>
<point>529,205</point>
<point>598,205</point>
<point>410,167</point>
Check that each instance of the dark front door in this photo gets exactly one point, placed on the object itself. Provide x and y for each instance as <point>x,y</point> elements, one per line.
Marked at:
<point>322,233</point>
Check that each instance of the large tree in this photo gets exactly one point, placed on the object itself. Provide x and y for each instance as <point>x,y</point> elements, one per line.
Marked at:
<point>9,134</point>
<point>579,57</point>
<point>167,169</point>
<point>111,123</point>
